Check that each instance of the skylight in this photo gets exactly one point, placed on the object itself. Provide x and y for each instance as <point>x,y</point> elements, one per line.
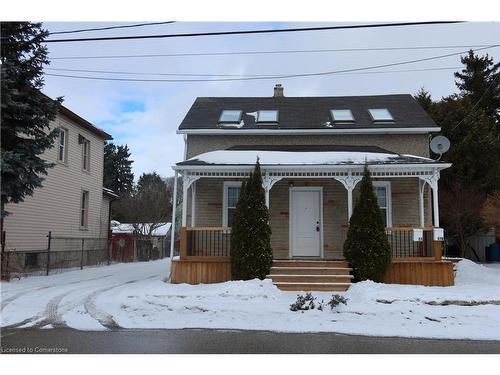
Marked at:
<point>267,116</point>
<point>342,115</point>
<point>230,116</point>
<point>381,114</point>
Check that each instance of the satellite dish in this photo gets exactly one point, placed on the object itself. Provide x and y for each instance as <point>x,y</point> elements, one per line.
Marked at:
<point>440,144</point>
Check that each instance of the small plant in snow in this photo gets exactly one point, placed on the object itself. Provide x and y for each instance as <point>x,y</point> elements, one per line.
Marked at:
<point>303,303</point>
<point>336,300</point>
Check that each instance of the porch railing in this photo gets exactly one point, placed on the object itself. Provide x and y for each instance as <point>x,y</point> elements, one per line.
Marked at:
<point>213,242</point>
<point>404,245</point>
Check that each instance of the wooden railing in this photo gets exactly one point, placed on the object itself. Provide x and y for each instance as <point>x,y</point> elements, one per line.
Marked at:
<point>403,245</point>
<point>205,242</point>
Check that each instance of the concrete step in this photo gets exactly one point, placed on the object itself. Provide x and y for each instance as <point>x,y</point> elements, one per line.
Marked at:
<point>302,279</point>
<point>310,270</point>
<point>308,287</point>
<point>310,263</point>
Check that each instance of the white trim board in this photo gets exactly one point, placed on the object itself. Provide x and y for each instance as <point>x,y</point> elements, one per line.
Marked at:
<point>224,198</point>
<point>388,198</point>
<point>407,130</point>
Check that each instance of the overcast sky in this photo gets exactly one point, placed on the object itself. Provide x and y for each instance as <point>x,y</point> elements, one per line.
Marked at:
<point>145,115</point>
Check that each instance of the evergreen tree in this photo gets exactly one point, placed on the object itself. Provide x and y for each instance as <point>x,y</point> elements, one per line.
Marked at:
<point>251,252</point>
<point>423,97</point>
<point>366,248</point>
<point>26,113</point>
<point>479,81</point>
<point>118,174</point>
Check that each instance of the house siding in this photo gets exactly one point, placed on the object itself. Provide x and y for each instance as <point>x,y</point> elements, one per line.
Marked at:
<point>56,205</point>
<point>405,209</point>
<point>414,144</point>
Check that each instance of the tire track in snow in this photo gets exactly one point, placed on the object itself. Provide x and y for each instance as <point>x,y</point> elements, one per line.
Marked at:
<point>8,300</point>
<point>105,319</point>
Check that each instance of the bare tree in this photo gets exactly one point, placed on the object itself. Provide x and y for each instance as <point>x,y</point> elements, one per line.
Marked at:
<point>490,212</point>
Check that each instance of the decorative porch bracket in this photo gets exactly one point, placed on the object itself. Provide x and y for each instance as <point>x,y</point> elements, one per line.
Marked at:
<point>267,183</point>
<point>187,181</point>
<point>432,180</point>
<point>349,183</point>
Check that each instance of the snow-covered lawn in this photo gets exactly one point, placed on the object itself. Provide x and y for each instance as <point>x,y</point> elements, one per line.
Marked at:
<point>134,296</point>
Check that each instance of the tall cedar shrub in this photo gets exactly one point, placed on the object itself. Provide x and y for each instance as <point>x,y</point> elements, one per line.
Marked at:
<point>251,253</point>
<point>366,247</point>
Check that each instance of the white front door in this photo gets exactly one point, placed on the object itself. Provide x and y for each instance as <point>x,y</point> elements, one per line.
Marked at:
<point>305,222</point>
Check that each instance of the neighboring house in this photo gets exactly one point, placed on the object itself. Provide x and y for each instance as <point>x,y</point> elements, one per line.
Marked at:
<point>72,202</point>
<point>312,152</point>
<point>132,242</point>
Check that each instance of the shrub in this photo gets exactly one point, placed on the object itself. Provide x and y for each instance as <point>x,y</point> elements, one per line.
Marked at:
<point>336,300</point>
<point>251,252</point>
<point>304,303</point>
<point>366,247</point>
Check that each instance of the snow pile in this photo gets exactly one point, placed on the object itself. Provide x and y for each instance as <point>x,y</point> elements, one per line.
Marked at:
<point>469,272</point>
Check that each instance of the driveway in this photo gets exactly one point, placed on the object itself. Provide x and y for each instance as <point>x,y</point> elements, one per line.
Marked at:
<point>197,341</point>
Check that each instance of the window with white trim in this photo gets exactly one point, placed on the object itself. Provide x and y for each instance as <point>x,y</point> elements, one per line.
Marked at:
<point>86,154</point>
<point>230,198</point>
<point>84,209</point>
<point>61,145</point>
<point>382,190</point>
<point>381,115</point>
<point>342,115</point>
<point>230,117</point>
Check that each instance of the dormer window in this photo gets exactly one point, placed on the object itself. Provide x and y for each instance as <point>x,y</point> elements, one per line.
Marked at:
<point>267,116</point>
<point>381,115</point>
<point>342,115</point>
<point>230,117</point>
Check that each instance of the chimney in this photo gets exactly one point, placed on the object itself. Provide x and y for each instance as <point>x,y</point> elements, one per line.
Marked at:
<point>278,90</point>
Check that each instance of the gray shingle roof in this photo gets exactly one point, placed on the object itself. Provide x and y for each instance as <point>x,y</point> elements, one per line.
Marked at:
<point>308,112</point>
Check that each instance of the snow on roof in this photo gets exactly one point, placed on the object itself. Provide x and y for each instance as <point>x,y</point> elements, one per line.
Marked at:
<point>249,157</point>
<point>161,230</point>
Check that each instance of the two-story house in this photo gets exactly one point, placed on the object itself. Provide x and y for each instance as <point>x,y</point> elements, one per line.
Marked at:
<point>312,152</point>
<point>71,204</point>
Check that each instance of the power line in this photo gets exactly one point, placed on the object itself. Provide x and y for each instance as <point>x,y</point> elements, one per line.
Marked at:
<point>282,76</point>
<point>110,27</point>
<point>240,32</point>
<point>266,52</point>
<point>230,75</point>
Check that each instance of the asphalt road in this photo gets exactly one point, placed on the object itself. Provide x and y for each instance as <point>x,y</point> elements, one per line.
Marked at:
<point>198,341</point>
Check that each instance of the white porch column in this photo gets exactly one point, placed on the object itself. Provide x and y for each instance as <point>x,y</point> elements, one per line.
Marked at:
<point>172,225</point>
<point>421,189</point>
<point>432,180</point>
<point>267,183</point>
<point>193,204</point>
<point>349,183</point>
<point>187,181</point>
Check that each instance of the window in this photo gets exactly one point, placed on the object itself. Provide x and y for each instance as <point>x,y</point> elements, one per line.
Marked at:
<point>230,198</point>
<point>382,191</point>
<point>267,116</point>
<point>342,115</point>
<point>61,149</point>
<point>381,114</point>
<point>230,116</point>
<point>86,154</point>
<point>84,209</point>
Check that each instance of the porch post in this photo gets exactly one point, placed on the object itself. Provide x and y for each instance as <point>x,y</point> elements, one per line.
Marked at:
<point>185,188</point>
<point>193,204</point>
<point>435,204</point>
<point>172,225</point>
<point>421,189</point>
<point>349,183</point>
<point>267,183</point>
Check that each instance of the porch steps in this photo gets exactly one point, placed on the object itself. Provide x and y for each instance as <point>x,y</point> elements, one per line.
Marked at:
<point>311,275</point>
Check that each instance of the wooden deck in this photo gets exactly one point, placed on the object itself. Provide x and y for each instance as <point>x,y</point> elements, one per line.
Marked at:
<point>420,271</point>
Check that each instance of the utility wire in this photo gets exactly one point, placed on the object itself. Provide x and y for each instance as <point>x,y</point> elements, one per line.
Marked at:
<point>266,52</point>
<point>110,27</point>
<point>275,76</point>
<point>240,32</point>
<point>229,75</point>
